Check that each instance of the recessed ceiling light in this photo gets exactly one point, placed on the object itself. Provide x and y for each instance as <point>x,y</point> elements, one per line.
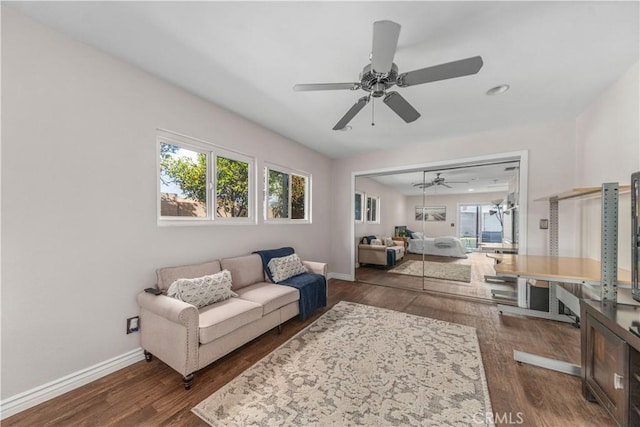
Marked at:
<point>498,90</point>
<point>347,128</point>
<point>471,189</point>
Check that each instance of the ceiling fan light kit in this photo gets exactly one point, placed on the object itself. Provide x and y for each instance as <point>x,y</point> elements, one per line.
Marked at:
<point>381,74</point>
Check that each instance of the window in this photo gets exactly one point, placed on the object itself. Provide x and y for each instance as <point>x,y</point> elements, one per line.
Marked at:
<point>286,195</point>
<point>359,211</point>
<point>202,182</point>
<point>232,187</point>
<point>373,209</point>
<point>183,182</point>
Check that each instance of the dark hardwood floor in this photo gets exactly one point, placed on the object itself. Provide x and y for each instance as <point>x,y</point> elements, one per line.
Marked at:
<point>150,393</point>
<point>477,290</point>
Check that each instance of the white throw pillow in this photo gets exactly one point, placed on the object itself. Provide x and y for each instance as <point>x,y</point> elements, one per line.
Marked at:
<point>204,290</point>
<point>444,242</point>
<point>376,242</point>
<point>284,267</point>
<point>417,235</point>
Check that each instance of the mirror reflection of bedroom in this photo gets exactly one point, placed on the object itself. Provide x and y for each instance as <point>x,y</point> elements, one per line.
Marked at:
<point>435,230</point>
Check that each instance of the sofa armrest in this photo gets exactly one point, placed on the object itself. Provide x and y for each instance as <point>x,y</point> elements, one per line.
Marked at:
<point>169,329</point>
<point>169,308</point>
<point>316,267</point>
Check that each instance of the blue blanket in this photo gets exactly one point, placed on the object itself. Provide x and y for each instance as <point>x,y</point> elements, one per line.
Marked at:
<point>312,287</point>
<point>313,292</point>
<point>391,257</point>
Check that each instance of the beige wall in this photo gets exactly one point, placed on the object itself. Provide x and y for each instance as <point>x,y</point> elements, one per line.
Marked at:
<point>608,150</point>
<point>79,233</point>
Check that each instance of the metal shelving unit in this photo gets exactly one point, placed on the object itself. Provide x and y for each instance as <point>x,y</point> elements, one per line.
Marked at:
<point>609,269</point>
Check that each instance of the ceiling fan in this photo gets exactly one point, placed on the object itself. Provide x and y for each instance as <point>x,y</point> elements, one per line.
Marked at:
<point>437,181</point>
<point>382,74</point>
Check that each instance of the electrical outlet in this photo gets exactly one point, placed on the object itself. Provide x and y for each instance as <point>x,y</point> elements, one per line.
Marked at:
<point>133,324</point>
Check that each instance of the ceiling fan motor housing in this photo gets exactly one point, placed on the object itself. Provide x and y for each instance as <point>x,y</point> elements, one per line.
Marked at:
<point>377,83</point>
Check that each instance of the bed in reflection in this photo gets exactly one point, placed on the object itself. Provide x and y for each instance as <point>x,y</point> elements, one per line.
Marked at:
<point>440,246</point>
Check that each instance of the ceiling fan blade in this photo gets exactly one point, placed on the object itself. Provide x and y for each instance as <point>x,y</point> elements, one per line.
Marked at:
<point>445,185</point>
<point>457,182</point>
<point>385,41</point>
<point>326,86</point>
<point>401,107</point>
<point>450,70</point>
<point>351,113</point>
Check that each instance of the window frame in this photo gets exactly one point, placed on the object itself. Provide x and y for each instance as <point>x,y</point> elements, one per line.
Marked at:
<point>212,151</point>
<point>363,207</point>
<point>368,218</point>
<point>307,193</point>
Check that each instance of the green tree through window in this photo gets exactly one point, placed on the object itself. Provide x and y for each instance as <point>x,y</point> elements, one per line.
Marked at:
<point>298,190</point>
<point>278,202</point>
<point>232,188</point>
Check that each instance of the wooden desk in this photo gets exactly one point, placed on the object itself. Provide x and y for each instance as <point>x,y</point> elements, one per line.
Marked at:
<point>584,271</point>
<point>562,269</point>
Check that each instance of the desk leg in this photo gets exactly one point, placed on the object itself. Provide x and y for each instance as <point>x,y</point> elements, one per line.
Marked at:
<point>535,313</point>
<point>499,279</point>
<point>545,362</point>
<point>504,294</point>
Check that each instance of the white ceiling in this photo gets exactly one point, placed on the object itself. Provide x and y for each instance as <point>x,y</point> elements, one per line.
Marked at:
<point>246,56</point>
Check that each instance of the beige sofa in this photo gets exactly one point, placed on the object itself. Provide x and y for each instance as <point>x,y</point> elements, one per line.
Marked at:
<point>377,254</point>
<point>188,339</point>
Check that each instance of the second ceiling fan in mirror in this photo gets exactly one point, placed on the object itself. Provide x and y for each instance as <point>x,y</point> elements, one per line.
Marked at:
<point>438,181</point>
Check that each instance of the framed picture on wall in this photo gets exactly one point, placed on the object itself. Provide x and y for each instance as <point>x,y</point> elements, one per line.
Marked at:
<point>431,213</point>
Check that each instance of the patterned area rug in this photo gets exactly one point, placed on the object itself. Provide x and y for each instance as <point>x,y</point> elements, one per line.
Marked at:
<point>361,365</point>
<point>437,270</point>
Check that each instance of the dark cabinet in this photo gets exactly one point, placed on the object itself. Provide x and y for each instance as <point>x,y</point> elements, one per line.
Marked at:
<point>611,359</point>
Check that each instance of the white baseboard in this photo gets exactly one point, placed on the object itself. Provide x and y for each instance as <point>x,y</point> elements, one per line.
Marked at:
<point>37,395</point>
<point>340,276</point>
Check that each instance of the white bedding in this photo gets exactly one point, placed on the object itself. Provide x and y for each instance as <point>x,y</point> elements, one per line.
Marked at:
<point>440,246</point>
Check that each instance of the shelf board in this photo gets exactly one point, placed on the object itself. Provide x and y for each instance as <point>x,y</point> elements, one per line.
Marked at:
<point>579,192</point>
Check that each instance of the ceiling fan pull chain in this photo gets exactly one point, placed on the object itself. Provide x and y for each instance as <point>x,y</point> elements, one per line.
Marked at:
<point>373,102</point>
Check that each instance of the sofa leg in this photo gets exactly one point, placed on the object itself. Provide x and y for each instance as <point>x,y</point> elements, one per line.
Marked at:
<point>279,328</point>
<point>148,356</point>
<point>187,381</point>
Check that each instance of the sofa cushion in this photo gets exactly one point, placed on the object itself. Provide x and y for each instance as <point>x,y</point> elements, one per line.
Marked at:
<point>269,295</point>
<point>245,270</point>
<point>284,267</point>
<point>202,291</point>
<point>221,318</point>
<point>168,275</point>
